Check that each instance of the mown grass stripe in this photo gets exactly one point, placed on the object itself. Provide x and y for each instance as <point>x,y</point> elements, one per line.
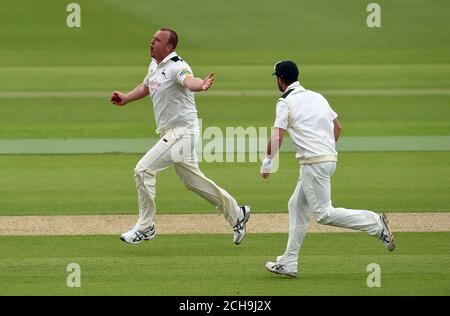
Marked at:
<point>230,93</point>
<point>141,145</point>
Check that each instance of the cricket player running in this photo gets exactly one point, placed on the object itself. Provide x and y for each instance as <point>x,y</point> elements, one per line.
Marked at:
<point>314,129</point>
<point>171,85</point>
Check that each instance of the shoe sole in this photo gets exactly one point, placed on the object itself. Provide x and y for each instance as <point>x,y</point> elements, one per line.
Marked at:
<point>150,237</point>
<point>130,242</point>
<point>292,276</point>
<point>138,242</point>
<point>246,218</point>
<point>386,222</point>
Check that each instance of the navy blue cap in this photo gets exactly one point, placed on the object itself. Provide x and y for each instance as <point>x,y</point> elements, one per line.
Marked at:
<point>286,69</point>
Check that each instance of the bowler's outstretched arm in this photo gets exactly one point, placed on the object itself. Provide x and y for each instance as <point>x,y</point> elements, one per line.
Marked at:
<point>119,98</point>
<point>197,84</point>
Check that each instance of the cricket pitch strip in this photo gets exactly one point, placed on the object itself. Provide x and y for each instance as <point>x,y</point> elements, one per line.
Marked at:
<point>196,224</point>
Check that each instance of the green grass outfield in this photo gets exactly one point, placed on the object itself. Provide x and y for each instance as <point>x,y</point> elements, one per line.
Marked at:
<point>104,184</point>
<point>55,84</point>
<point>203,265</point>
<point>399,113</point>
<point>227,32</point>
<point>97,118</point>
<point>318,76</point>
<point>410,66</point>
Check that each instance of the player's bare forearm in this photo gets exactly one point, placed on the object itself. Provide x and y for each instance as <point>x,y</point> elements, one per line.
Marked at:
<point>197,84</point>
<point>137,93</point>
<point>275,142</point>
<point>337,129</point>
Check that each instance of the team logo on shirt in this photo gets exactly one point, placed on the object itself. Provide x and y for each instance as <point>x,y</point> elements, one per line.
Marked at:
<point>154,84</point>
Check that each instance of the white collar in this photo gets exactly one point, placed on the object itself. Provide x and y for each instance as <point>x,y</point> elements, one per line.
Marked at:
<point>171,55</point>
<point>295,85</point>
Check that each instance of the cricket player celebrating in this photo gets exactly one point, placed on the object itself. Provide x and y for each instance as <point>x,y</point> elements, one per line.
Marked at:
<point>314,129</point>
<point>171,85</point>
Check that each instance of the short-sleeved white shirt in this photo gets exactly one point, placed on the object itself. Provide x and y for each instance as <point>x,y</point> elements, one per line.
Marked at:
<point>308,118</point>
<point>174,105</point>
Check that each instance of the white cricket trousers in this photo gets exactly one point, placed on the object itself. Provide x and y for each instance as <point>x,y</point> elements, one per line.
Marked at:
<point>177,147</point>
<point>312,197</point>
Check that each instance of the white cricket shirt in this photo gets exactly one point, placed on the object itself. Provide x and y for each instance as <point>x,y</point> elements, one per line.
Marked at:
<point>308,118</point>
<point>174,105</point>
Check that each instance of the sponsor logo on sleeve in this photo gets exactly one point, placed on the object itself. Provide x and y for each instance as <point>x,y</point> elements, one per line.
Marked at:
<point>185,72</point>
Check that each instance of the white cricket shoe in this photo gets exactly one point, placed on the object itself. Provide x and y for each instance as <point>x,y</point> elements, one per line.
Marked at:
<point>134,236</point>
<point>281,269</point>
<point>386,236</point>
<point>239,228</point>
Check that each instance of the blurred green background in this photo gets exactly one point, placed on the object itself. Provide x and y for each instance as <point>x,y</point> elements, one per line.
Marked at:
<point>214,32</point>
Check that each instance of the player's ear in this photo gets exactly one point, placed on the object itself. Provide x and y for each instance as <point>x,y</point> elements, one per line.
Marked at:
<point>170,47</point>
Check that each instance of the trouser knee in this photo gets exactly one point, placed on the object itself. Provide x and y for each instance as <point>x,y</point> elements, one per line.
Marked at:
<point>143,175</point>
<point>323,216</point>
<point>188,178</point>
